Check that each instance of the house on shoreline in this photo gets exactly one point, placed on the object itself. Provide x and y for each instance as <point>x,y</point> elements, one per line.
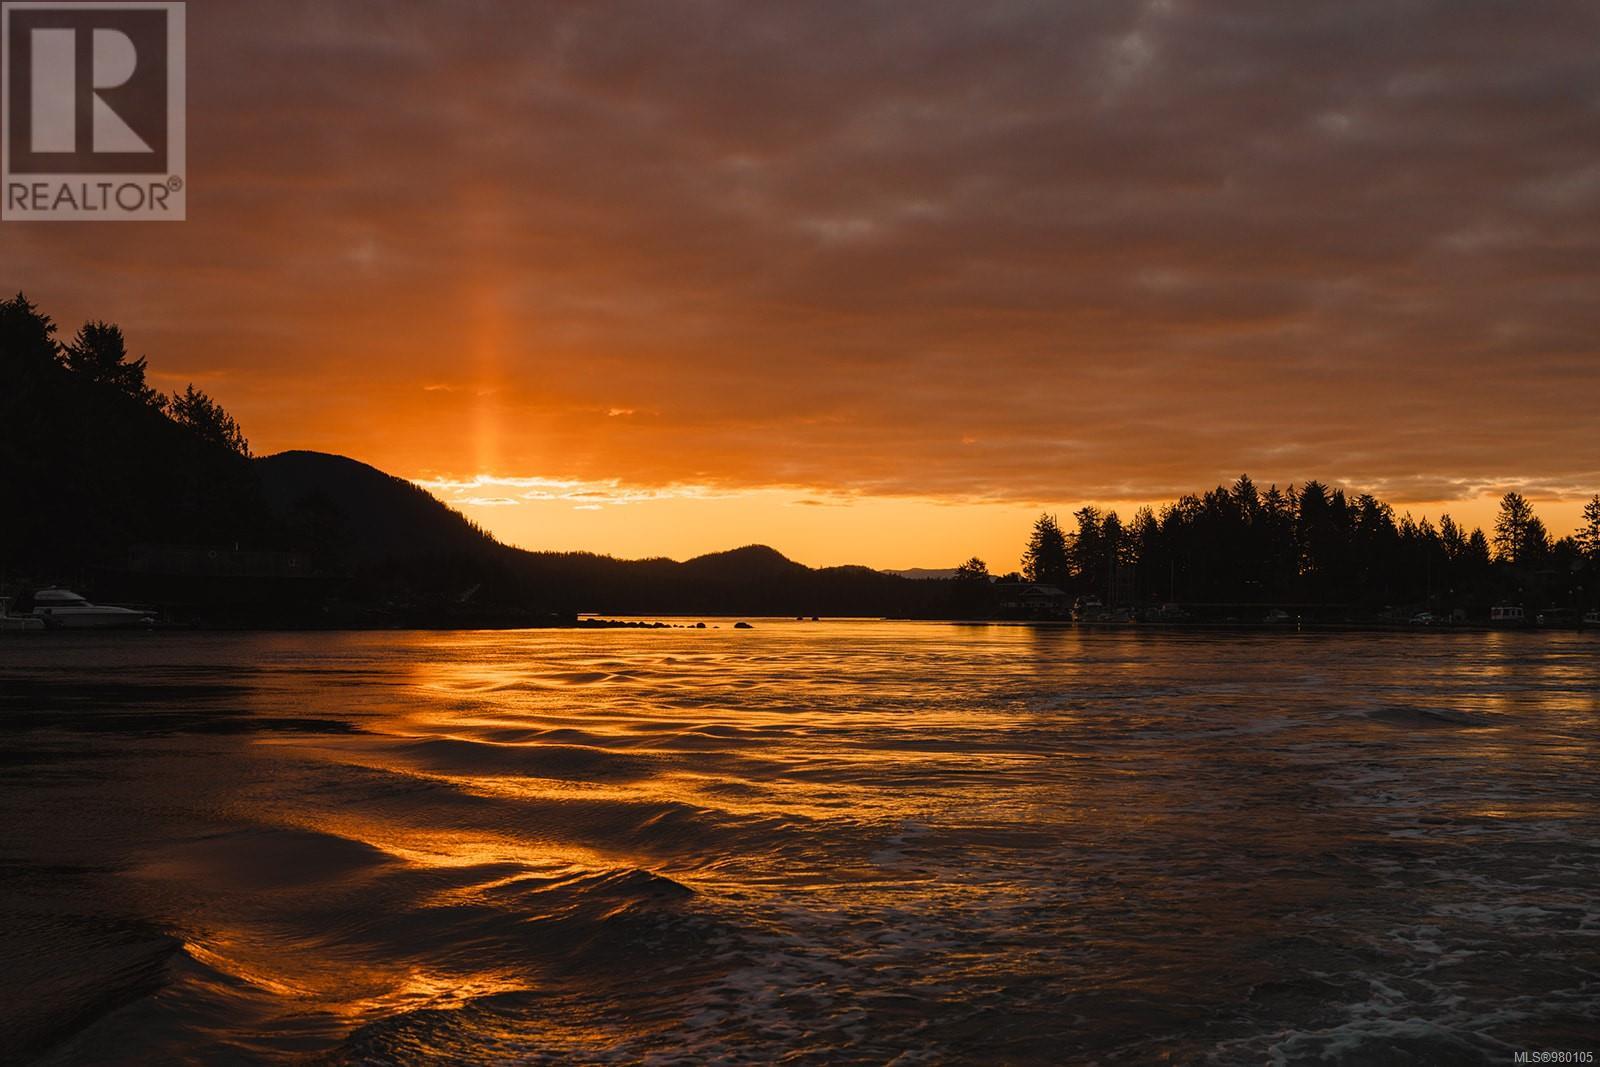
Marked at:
<point>1032,600</point>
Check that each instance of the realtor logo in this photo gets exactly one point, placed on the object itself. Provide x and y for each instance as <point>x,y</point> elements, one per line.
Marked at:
<point>92,111</point>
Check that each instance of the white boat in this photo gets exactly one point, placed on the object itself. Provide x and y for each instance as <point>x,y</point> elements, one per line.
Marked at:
<point>1507,615</point>
<point>65,610</point>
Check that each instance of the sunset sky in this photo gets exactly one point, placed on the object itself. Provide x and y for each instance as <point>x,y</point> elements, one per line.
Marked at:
<point>877,283</point>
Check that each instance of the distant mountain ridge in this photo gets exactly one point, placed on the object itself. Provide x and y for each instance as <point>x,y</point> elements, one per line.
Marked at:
<point>373,526</point>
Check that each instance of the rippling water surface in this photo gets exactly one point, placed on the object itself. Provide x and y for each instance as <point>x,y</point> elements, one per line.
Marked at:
<point>832,842</point>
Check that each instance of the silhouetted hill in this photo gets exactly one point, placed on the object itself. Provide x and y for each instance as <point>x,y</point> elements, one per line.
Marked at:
<point>395,541</point>
<point>753,580</point>
<point>364,515</point>
<point>748,563</point>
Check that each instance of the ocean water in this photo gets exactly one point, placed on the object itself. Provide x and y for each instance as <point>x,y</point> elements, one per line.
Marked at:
<point>834,842</point>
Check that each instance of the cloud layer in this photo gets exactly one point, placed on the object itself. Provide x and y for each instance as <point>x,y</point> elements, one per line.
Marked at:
<point>1010,252</point>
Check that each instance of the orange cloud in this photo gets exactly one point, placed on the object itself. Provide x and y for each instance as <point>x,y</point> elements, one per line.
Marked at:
<point>1011,256</point>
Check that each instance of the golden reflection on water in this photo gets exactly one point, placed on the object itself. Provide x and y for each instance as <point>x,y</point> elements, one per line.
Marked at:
<point>826,814</point>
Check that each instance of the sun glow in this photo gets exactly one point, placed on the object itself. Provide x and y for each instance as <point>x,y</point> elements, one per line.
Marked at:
<point>818,526</point>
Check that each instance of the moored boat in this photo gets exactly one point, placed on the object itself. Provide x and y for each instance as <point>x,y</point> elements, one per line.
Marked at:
<point>62,609</point>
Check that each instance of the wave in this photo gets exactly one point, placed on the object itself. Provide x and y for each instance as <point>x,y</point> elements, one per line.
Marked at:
<point>263,857</point>
<point>1411,715</point>
<point>451,755</point>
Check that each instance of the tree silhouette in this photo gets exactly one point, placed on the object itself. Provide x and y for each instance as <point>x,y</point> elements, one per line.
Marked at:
<point>1478,547</point>
<point>99,354</point>
<point>1320,539</point>
<point>1045,559</point>
<point>1588,536</point>
<point>973,569</point>
<point>1535,542</point>
<point>1239,549</point>
<point>1512,528</point>
<point>205,418</point>
<point>1088,551</point>
<point>1452,537</point>
<point>91,466</point>
<point>27,343</point>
